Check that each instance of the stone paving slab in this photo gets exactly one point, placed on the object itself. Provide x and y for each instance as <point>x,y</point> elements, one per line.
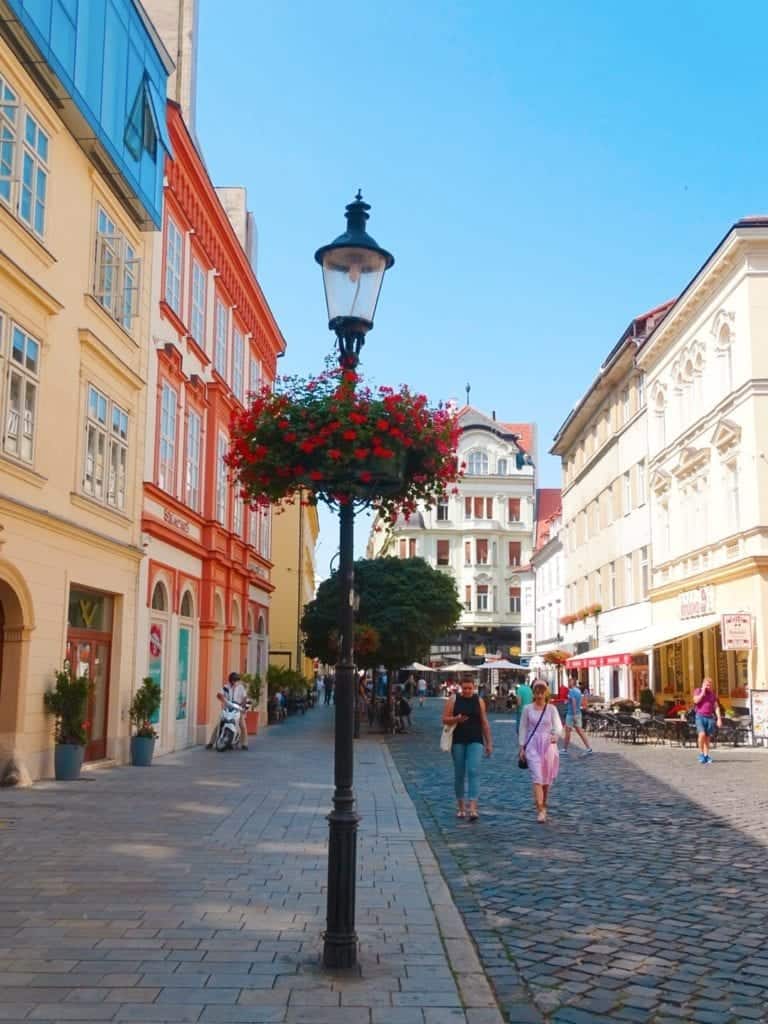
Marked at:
<point>644,898</point>
<point>194,891</point>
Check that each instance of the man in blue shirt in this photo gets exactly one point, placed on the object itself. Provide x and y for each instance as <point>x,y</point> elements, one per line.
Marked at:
<point>573,718</point>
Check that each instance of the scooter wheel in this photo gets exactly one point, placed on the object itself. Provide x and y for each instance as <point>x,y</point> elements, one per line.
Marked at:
<point>223,743</point>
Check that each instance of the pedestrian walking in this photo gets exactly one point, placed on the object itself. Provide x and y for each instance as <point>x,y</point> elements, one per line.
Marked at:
<point>524,695</point>
<point>422,689</point>
<point>574,718</point>
<point>471,737</point>
<point>540,728</point>
<point>708,713</point>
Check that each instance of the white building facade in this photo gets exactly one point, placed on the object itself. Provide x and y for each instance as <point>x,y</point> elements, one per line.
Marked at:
<point>548,565</point>
<point>482,537</point>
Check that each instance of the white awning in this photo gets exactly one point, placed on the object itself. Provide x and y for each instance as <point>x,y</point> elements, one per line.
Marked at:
<point>620,652</point>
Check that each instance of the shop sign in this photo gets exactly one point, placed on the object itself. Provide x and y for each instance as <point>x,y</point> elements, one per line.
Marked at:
<point>736,631</point>
<point>758,708</point>
<point>176,521</point>
<point>697,602</point>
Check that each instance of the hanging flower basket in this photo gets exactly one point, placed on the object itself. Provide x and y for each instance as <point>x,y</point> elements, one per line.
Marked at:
<point>338,441</point>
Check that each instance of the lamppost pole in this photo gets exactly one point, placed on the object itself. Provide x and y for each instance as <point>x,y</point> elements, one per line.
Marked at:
<point>353,271</point>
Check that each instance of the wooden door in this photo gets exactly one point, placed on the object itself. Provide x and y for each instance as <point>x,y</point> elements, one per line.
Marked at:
<point>89,653</point>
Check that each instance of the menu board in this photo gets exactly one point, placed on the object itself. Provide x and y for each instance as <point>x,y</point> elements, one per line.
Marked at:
<point>758,706</point>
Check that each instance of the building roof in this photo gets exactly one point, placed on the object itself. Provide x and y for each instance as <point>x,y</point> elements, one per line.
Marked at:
<point>522,433</point>
<point>548,507</point>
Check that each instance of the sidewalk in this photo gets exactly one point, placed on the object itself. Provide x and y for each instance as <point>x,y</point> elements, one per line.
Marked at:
<point>195,891</point>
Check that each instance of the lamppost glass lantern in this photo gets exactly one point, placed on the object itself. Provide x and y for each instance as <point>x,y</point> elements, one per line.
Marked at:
<point>353,271</point>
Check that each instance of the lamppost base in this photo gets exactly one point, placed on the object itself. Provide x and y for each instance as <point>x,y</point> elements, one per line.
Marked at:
<point>339,952</point>
<point>340,938</point>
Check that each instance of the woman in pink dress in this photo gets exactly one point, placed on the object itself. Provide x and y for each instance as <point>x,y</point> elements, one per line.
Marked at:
<point>540,728</point>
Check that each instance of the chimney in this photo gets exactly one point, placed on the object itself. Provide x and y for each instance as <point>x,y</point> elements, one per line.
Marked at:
<point>493,415</point>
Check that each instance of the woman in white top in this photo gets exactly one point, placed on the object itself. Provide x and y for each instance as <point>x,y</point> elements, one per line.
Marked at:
<point>540,728</point>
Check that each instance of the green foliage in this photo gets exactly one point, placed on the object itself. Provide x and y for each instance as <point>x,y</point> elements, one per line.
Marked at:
<point>647,701</point>
<point>280,677</point>
<point>252,683</point>
<point>68,702</point>
<point>406,601</point>
<point>144,706</point>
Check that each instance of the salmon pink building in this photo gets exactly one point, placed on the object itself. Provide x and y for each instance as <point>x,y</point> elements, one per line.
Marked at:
<point>205,588</point>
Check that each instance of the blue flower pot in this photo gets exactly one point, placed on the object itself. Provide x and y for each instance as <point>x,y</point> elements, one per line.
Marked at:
<point>142,748</point>
<point>68,760</point>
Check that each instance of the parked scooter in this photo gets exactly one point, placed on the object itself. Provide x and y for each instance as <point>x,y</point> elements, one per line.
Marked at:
<point>228,733</point>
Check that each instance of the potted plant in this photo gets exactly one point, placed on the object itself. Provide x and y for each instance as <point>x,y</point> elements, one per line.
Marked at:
<point>142,709</point>
<point>333,439</point>
<point>68,703</point>
<point>252,683</point>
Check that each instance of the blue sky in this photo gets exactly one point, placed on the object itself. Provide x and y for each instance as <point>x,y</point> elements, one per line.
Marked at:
<point>542,173</point>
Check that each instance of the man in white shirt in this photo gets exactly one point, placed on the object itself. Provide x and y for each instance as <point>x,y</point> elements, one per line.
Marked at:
<point>422,690</point>
<point>234,690</point>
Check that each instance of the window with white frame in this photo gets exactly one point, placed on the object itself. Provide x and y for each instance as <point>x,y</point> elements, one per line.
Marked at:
<point>192,461</point>
<point>173,255</point>
<point>105,463</point>
<point>629,580</point>
<point>501,467</point>
<point>627,493</point>
<point>116,271</point>
<point>644,571</point>
<point>477,463</point>
<point>221,478</point>
<point>220,346</point>
<point>442,510</point>
<point>238,350</point>
<point>612,584</point>
<point>237,516</point>
<point>166,463</point>
<point>23,161</point>
<point>665,524</point>
<point>514,600</point>
<point>641,482</point>
<point>197,316</point>
<point>254,375</point>
<point>732,496</point>
<point>265,540</point>
<point>481,595</point>
<point>253,527</point>
<point>21,379</point>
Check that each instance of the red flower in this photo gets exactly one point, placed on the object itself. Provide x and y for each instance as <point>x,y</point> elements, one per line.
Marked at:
<point>334,453</point>
<point>361,453</point>
<point>350,435</point>
<point>366,476</point>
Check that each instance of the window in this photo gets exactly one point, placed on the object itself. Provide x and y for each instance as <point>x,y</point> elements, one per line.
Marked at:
<point>513,510</point>
<point>467,597</point>
<point>237,515</point>
<point>116,271</point>
<point>467,508</point>
<point>192,468</point>
<point>106,450</point>
<point>411,547</point>
<point>221,479</point>
<point>166,466</point>
<point>482,597</point>
<point>514,552</point>
<point>173,250</point>
<point>629,580</point>
<point>627,493</point>
<point>477,463</point>
<point>481,547</point>
<point>732,496</point>
<point>21,380</point>
<point>222,329</point>
<point>442,510</point>
<point>403,548</point>
<point>23,167</point>
<point>641,482</point>
<point>625,405</point>
<point>265,543</point>
<point>187,609</point>
<point>666,532</point>
<point>501,467</point>
<point>254,375</point>
<point>443,552</point>
<point>644,571</point>
<point>238,349</point>
<point>612,584</point>
<point>467,552</point>
<point>514,600</point>
<point>141,129</point>
<point>197,318</point>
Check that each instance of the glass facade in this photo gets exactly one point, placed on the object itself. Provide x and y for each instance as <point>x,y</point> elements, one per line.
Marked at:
<point>105,57</point>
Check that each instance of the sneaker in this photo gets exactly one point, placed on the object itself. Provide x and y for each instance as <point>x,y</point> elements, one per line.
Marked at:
<point>244,748</point>
<point>209,746</point>
<point>702,758</point>
<point>707,759</point>
<point>589,750</point>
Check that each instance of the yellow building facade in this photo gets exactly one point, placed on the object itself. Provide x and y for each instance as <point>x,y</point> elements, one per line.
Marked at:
<point>77,213</point>
<point>295,530</point>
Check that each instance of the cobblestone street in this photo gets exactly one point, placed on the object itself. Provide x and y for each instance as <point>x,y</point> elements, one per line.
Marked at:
<point>642,899</point>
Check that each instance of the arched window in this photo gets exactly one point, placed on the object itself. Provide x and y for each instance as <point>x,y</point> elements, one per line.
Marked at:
<point>159,598</point>
<point>218,610</point>
<point>477,463</point>
<point>187,609</point>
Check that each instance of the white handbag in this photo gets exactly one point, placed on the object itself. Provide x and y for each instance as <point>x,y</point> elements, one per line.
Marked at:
<point>446,738</point>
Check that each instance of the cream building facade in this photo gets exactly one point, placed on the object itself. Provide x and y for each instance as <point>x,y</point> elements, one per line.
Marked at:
<point>606,529</point>
<point>548,566</point>
<point>80,192</point>
<point>295,529</point>
<point>706,370</point>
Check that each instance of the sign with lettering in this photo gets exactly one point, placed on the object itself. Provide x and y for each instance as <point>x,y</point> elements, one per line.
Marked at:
<point>736,631</point>
<point>176,521</point>
<point>758,708</point>
<point>697,602</point>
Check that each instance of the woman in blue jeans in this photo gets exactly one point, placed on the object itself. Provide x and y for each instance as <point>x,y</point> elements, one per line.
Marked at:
<point>471,736</point>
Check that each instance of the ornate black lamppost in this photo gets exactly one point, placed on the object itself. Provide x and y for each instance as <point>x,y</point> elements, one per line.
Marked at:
<point>353,272</point>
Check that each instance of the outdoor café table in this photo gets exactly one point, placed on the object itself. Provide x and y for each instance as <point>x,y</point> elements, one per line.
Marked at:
<point>676,729</point>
